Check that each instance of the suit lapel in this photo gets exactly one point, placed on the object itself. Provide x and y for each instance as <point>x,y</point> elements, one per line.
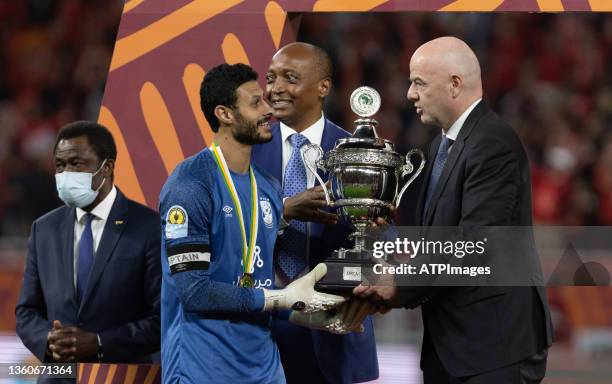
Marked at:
<point>328,139</point>
<point>480,110</point>
<point>272,154</point>
<point>431,155</point>
<point>328,142</point>
<point>269,156</point>
<point>67,249</point>
<point>275,156</point>
<point>116,222</point>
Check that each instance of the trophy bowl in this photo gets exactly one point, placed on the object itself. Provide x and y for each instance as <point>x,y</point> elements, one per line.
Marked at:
<point>367,177</point>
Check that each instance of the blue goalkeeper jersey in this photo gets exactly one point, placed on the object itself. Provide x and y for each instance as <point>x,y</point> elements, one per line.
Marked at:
<point>213,330</point>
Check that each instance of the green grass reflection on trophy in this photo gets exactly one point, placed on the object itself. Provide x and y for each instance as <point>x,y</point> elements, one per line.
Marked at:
<point>357,191</point>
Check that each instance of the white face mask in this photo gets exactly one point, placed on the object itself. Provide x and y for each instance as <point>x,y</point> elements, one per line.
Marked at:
<point>74,188</point>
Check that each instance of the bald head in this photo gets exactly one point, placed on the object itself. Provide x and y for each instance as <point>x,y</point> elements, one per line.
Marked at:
<point>318,57</point>
<point>446,80</point>
<point>452,56</point>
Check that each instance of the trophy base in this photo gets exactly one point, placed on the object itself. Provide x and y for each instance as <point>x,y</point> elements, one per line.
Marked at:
<point>345,273</point>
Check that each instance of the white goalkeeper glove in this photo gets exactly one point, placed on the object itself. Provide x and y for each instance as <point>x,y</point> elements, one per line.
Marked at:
<point>300,295</point>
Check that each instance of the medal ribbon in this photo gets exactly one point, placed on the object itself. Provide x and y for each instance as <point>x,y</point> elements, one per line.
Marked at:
<point>248,250</point>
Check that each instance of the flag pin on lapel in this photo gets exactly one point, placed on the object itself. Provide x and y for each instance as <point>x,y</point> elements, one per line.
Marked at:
<point>118,222</point>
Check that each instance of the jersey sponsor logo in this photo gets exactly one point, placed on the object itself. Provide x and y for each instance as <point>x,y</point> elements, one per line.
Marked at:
<point>188,257</point>
<point>177,222</point>
<point>257,260</point>
<point>267,283</point>
<point>228,211</point>
<point>266,213</point>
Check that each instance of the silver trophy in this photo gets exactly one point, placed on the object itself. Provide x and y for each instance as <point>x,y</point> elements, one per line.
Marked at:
<point>367,177</point>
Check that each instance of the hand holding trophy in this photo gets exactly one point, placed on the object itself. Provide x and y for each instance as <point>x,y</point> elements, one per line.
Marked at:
<point>367,180</point>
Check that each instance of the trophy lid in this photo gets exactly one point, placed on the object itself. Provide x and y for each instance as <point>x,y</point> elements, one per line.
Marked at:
<point>365,136</point>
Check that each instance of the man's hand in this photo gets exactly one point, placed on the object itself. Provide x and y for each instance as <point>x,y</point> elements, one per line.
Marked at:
<point>355,311</point>
<point>300,295</point>
<point>382,222</point>
<point>57,348</point>
<point>71,343</point>
<point>382,293</point>
<point>306,206</point>
<point>376,293</point>
<point>345,319</point>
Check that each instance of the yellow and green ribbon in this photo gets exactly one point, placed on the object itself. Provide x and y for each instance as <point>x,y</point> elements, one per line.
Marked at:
<point>248,249</point>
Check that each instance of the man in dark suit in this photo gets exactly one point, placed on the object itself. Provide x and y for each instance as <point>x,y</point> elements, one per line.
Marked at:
<point>478,175</point>
<point>92,280</point>
<point>298,80</point>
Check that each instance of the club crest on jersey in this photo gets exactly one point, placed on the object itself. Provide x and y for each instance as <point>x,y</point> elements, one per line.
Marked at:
<point>177,222</point>
<point>266,213</point>
<point>228,211</point>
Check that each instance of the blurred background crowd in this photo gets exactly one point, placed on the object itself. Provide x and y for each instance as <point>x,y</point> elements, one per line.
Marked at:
<point>548,75</point>
<point>54,58</point>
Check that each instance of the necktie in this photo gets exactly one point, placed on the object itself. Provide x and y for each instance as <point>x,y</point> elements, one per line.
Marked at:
<point>292,245</point>
<point>86,257</point>
<point>436,171</point>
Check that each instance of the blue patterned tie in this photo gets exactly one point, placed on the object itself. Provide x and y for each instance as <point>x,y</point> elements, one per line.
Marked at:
<point>292,245</point>
<point>86,257</point>
<point>438,166</point>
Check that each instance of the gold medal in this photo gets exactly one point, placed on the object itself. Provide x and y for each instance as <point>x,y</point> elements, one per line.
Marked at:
<point>246,281</point>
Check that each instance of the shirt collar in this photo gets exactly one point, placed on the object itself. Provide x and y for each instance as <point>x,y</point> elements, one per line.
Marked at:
<point>453,131</point>
<point>314,133</point>
<point>102,210</point>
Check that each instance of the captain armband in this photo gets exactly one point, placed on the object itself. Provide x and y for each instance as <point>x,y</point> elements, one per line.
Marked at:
<point>188,257</point>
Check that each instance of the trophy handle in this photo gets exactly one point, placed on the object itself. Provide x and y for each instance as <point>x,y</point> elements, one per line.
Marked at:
<point>318,164</point>
<point>407,169</point>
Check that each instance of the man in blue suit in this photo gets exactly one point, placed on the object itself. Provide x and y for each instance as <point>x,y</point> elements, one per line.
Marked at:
<point>298,80</point>
<point>92,280</point>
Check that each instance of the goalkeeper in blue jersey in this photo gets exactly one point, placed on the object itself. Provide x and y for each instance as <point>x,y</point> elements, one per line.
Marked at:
<point>220,218</point>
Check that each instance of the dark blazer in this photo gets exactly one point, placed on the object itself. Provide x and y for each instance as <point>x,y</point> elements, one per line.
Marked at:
<point>342,359</point>
<point>121,302</point>
<point>485,182</point>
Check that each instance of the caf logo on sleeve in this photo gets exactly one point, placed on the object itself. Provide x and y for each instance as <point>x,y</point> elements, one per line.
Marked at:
<point>177,222</point>
<point>177,215</point>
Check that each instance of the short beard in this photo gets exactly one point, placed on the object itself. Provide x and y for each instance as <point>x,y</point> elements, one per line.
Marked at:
<point>246,132</point>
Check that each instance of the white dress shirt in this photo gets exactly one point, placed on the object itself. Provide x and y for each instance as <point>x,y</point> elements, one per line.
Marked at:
<point>100,213</point>
<point>314,133</point>
<point>453,131</point>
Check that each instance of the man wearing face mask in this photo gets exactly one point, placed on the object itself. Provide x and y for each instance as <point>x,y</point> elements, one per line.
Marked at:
<point>92,280</point>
